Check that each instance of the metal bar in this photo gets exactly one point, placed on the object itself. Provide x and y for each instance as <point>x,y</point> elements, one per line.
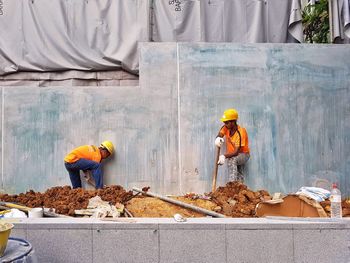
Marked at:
<point>176,202</point>
<point>128,212</point>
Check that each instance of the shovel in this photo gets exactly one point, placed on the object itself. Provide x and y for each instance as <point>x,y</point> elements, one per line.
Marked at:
<point>216,166</point>
<point>88,178</point>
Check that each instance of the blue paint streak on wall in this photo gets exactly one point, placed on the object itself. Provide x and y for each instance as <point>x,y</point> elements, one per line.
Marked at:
<point>29,144</point>
<point>44,124</point>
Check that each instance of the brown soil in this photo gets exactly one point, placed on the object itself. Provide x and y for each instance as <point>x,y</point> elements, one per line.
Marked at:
<point>233,200</point>
<point>237,200</point>
<point>65,199</point>
<point>153,207</point>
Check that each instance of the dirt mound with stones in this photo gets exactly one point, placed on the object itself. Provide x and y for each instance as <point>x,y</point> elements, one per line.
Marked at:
<point>65,199</point>
<point>232,200</point>
<point>236,200</point>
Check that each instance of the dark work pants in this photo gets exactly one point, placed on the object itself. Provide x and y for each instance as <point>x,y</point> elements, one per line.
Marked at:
<point>84,164</point>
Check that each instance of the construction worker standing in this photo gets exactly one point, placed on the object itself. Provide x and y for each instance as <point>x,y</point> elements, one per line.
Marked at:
<point>237,149</point>
<point>88,157</point>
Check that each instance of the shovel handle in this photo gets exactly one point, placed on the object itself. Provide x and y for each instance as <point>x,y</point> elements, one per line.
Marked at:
<point>216,166</point>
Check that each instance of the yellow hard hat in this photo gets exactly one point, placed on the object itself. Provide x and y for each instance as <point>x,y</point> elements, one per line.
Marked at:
<point>109,146</point>
<point>229,115</point>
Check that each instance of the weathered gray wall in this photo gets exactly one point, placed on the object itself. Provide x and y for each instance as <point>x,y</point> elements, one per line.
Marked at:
<point>293,99</point>
<point>41,125</point>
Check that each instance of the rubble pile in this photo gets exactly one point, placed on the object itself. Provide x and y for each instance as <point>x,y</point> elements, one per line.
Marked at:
<point>345,207</point>
<point>233,200</point>
<point>237,200</point>
<point>65,199</point>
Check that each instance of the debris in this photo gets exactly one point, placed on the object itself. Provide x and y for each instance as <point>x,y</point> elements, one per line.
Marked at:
<point>233,200</point>
<point>19,207</point>
<point>316,193</point>
<point>66,200</point>
<point>345,207</point>
<point>237,200</point>
<point>146,188</point>
<point>179,203</point>
<point>15,213</point>
<point>179,218</point>
<point>154,207</point>
<point>98,208</point>
<point>292,206</point>
<point>127,213</point>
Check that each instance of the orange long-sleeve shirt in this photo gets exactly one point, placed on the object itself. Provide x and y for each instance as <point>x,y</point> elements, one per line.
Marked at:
<point>90,152</point>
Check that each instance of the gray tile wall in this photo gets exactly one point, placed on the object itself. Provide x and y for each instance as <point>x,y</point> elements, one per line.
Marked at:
<point>198,240</point>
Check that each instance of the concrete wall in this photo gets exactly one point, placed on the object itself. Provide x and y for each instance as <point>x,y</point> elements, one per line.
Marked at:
<point>293,99</point>
<point>41,125</point>
<point>197,240</point>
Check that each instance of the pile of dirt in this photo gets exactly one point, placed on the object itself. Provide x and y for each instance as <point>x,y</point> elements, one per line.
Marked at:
<point>154,207</point>
<point>345,207</point>
<point>233,200</point>
<point>237,200</point>
<point>65,199</point>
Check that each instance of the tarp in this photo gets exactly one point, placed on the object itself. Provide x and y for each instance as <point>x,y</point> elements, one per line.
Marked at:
<point>339,13</point>
<point>246,21</point>
<point>41,35</point>
<point>58,35</point>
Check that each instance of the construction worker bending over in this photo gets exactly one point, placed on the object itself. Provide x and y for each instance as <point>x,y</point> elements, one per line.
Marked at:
<point>237,149</point>
<point>88,157</point>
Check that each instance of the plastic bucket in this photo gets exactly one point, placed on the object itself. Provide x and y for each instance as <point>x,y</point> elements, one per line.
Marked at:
<point>5,230</point>
<point>36,212</point>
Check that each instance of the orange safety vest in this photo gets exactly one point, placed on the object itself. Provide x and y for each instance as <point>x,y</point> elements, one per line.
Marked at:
<point>89,152</point>
<point>238,139</point>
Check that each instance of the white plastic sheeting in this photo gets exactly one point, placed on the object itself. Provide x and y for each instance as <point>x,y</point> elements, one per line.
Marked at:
<point>247,21</point>
<point>42,35</point>
<point>93,35</point>
<point>339,11</point>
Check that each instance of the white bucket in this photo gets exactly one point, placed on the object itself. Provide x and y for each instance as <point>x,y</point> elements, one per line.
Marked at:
<point>36,212</point>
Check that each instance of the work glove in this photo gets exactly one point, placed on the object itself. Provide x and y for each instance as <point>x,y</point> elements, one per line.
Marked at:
<point>221,159</point>
<point>219,141</point>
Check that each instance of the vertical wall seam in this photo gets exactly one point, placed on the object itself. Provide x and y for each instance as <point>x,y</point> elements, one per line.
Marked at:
<point>225,229</point>
<point>2,136</point>
<point>92,243</point>
<point>294,259</point>
<point>158,234</point>
<point>179,115</point>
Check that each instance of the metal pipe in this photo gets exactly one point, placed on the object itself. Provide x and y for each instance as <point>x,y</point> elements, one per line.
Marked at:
<point>128,212</point>
<point>176,202</point>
